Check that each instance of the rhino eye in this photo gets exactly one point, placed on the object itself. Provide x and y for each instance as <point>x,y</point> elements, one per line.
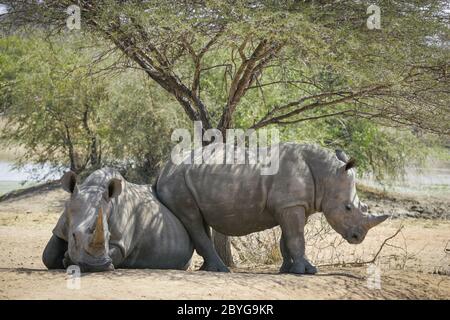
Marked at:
<point>348,206</point>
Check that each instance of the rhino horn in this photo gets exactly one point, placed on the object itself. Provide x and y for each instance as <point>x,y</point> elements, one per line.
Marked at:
<point>98,237</point>
<point>372,221</point>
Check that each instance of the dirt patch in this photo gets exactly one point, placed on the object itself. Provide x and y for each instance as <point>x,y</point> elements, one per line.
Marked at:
<point>255,284</point>
<point>41,201</point>
<point>400,206</point>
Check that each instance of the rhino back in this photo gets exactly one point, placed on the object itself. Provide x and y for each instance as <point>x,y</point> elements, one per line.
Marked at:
<point>237,199</point>
<point>150,234</point>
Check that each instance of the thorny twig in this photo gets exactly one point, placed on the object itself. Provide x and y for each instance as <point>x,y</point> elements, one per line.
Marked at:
<point>356,263</point>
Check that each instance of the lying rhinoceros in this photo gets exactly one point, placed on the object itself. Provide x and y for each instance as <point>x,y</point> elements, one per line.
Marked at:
<point>109,222</point>
<point>235,199</point>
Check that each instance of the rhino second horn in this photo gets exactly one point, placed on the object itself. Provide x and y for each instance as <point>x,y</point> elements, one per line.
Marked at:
<point>373,221</point>
<point>98,238</point>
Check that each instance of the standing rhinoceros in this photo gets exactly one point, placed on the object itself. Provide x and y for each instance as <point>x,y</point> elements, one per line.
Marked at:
<point>109,222</point>
<point>235,199</point>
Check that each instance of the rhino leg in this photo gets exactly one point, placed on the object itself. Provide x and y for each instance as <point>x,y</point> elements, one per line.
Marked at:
<point>287,260</point>
<point>116,255</point>
<point>54,253</point>
<point>200,235</point>
<point>292,222</point>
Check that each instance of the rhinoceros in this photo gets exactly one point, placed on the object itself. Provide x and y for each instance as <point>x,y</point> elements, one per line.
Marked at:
<point>109,222</point>
<point>236,199</point>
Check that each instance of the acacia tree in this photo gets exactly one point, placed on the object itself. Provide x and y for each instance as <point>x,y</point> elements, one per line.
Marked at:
<point>296,60</point>
<point>52,115</point>
<point>61,113</point>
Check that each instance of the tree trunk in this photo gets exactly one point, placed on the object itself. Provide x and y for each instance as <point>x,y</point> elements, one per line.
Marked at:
<point>94,156</point>
<point>222,243</point>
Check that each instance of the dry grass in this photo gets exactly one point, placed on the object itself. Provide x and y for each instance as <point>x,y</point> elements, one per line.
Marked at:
<point>258,248</point>
<point>396,245</point>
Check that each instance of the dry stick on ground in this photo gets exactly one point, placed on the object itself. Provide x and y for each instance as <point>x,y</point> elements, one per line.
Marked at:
<point>358,264</point>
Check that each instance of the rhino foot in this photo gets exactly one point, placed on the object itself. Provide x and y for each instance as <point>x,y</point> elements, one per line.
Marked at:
<point>302,267</point>
<point>285,267</point>
<point>214,268</point>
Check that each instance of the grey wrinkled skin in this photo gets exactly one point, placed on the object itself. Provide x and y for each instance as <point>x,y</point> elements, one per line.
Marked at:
<point>110,223</point>
<point>235,199</point>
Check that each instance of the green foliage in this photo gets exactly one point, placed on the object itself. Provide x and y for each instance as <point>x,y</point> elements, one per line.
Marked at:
<point>45,100</point>
<point>137,126</point>
<point>382,152</point>
<point>60,115</point>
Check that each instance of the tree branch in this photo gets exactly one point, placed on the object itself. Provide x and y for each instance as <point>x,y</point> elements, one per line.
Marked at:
<point>374,258</point>
<point>246,74</point>
<point>269,118</point>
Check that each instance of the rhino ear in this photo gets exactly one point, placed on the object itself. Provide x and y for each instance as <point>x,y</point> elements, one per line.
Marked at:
<point>113,189</point>
<point>350,164</point>
<point>69,181</point>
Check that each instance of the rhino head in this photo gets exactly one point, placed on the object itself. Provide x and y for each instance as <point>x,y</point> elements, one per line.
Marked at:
<point>341,206</point>
<point>87,213</point>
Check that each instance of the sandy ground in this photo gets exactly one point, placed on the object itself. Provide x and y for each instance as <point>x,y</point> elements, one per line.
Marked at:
<point>414,265</point>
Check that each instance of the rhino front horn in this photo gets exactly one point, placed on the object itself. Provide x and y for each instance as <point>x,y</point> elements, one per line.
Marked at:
<point>373,221</point>
<point>98,238</point>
